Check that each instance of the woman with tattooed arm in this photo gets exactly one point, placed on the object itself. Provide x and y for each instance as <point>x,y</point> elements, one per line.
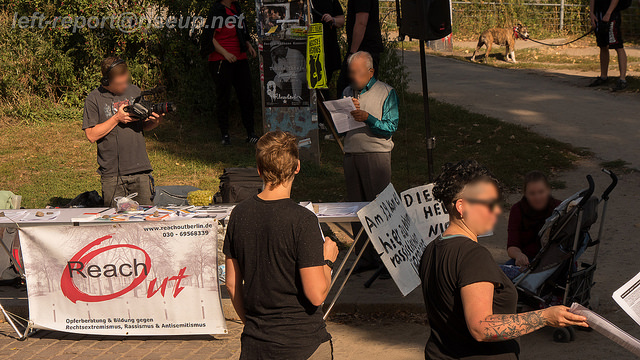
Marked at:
<point>471,304</point>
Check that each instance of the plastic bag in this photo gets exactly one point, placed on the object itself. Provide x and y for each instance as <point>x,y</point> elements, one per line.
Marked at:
<point>126,203</point>
<point>200,198</point>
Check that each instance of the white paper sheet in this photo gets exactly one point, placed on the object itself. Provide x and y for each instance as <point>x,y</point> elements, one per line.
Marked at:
<point>337,210</point>
<point>608,329</point>
<point>628,297</point>
<point>13,215</point>
<point>47,215</point>
<point>340,111</point>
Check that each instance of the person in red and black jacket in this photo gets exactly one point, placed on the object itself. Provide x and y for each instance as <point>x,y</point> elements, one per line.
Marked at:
<point>527,217</point>
<point>229,65</point>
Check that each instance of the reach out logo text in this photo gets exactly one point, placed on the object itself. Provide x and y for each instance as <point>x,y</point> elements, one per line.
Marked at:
<point>79,266</point>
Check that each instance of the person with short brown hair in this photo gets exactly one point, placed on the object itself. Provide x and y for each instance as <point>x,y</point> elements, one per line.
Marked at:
<point>278,269</point>
<point>123,163</point>
<point>277,157</point>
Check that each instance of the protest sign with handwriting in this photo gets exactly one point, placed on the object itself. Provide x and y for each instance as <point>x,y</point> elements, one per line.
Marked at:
<point>395,238</point>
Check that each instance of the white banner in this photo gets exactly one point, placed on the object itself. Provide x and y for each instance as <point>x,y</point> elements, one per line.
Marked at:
<point>429,215</point>
<point>125,279</point>
<point>395,238</point>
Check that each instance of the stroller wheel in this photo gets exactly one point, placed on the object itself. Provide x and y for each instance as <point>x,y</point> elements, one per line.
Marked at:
<point>561,335</point>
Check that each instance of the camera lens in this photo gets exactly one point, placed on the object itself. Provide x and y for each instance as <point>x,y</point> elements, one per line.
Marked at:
<point>165,107</point>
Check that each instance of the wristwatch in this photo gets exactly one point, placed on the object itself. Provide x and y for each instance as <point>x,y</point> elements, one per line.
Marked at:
<point>329,263</point>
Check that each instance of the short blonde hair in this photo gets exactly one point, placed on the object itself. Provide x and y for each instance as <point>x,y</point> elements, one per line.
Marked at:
<point>277,157</point>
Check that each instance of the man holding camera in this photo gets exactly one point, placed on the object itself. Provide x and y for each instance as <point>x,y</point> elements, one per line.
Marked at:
<point>123,162</point>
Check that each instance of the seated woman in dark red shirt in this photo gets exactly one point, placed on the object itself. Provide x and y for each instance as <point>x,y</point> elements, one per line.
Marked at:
<point>527,217</point>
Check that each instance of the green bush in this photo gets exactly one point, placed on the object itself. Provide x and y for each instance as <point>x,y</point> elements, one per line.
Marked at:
<point>46,73</point>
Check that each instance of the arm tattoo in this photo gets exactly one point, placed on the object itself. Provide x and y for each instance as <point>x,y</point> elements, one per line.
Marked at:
<point>501,327</point>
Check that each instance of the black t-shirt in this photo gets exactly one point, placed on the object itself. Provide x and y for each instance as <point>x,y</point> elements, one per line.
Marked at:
<point>272,241</point>
<point>122,151</point>
<point>372,40</point>
<point>601,6</point>
<point>459,261</point>
<point>330,34</point>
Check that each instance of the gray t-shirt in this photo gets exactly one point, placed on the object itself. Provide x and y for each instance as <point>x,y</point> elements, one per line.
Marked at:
<point>122,151</point>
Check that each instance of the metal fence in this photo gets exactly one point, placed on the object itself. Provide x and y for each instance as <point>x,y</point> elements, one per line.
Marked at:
<point>543,18</point>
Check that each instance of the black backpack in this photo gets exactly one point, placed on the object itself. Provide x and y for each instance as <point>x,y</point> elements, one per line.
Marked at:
<point>238,184</point>
<point>623,5</point>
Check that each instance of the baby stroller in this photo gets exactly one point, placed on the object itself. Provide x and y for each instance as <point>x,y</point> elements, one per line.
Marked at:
<point>553,276</point>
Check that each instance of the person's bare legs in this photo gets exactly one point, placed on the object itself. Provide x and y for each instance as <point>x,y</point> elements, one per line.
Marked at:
<point>622,63</point>
<point>604,62</point>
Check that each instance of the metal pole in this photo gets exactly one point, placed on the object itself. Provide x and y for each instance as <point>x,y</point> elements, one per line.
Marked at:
<point>427,117</point>
<point>561,14</point>
<point>344,282</point>
<point>576,239</point>
<point>344,261</point>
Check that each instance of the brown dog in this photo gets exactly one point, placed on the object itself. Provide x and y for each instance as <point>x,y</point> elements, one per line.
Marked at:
<point>502,37</point>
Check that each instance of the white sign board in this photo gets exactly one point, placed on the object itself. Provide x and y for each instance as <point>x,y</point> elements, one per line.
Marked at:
<point>142,278</point>
<point>628,297</point>
<point>395,238</point>
<point>428,214</point>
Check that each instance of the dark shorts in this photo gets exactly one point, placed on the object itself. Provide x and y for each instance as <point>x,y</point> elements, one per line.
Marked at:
<point>609,33</point>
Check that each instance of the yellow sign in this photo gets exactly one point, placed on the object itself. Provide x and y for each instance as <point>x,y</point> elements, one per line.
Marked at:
<point>316,72</point>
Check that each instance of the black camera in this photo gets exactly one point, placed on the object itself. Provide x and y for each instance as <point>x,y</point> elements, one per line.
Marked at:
<point>141,108</point>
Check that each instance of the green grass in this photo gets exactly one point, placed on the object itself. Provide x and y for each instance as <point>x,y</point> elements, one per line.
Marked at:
<point>48,162</point>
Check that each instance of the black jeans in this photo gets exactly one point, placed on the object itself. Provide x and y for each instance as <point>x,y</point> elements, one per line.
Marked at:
<point>238,75</point>
<point>343,78</point>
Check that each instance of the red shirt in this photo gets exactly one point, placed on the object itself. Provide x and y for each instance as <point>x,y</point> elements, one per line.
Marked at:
<point>228,39</point>
<point>524,225</point>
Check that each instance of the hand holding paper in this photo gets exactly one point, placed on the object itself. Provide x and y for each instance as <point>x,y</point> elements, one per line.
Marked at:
<point>340,111</point>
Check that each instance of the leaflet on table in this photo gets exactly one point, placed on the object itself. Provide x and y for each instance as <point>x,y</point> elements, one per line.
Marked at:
<point>338,209</point>
<point>40,215</point>
<point>92,216</point>
<point>219,212</point>
<point>12,215</point>
<point>608,329</point>
<point>628,297</point>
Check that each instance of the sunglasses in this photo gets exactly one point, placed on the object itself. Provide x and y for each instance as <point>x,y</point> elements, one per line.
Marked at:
<point>491,204</point>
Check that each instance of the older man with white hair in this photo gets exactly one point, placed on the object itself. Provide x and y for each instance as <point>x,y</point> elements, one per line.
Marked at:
<point>367,159</point>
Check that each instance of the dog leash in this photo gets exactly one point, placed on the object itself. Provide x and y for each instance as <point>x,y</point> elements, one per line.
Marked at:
<point>567,43</point>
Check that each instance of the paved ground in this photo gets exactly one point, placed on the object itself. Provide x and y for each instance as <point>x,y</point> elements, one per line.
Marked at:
<point>555,105</point>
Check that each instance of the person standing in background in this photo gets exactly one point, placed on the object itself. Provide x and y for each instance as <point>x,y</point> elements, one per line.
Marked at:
<point>606,19</point>
<point>229,65</point>
<point>330,14</point>
<point>363,34</point>
<point>367,159</point>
